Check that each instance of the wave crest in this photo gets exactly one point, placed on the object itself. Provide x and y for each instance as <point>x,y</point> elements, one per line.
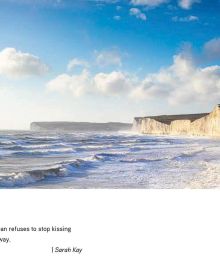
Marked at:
<point>62,169</point>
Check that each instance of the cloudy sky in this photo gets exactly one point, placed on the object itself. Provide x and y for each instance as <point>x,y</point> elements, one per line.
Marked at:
<point>107,60</point>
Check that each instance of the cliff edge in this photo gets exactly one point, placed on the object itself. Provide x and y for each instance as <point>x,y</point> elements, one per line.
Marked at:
<point>207,124</point>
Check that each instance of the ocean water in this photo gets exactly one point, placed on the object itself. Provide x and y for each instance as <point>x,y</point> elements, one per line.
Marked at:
<point>107,160</point>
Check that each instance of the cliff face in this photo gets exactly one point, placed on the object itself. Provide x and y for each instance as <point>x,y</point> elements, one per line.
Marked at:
<point>198,125</point>
<point>79,126</point>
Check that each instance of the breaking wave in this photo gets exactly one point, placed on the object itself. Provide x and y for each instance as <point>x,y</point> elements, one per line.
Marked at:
<point>62,169</point>
<point>107,160</point>
<point>142,160</point>
<point>189,154</point>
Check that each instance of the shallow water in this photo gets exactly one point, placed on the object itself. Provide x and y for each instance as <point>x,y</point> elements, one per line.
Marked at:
<point>103,160</point>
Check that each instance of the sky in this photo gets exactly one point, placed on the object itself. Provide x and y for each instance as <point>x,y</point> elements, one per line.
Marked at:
<point>107,60</point>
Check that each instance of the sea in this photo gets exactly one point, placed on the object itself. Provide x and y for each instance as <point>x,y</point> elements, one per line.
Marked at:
<point>120,160</point>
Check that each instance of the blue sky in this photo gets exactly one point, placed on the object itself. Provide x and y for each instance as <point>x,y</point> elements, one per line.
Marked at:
<point>107,60</point>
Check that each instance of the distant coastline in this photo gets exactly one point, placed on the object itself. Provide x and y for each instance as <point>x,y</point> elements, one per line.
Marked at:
<point>79,126</point>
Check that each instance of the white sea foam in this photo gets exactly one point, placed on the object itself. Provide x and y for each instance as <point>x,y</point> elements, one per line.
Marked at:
<point>108,160</point>
<point>62,169</point>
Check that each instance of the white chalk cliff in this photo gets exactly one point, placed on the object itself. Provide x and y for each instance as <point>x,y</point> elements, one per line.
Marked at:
<point>197,124</point>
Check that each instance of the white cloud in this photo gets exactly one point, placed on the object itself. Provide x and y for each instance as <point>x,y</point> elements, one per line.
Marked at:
<point>182,82</point>
<point>212,48</point>
<point>116,17</point>
<point>75,85</point>
<point>108,58</point>
<point>149,3</point>
<point>113,83</point>
<point>103,2</point>
<point>75,62</point>
<point>187,4</point>
<point>185,19</point>
<point>138,14</point>
<point>15,64</point>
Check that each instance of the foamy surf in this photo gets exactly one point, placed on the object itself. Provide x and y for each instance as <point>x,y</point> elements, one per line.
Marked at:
<point>107,160</point>
<point>62,169</point>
